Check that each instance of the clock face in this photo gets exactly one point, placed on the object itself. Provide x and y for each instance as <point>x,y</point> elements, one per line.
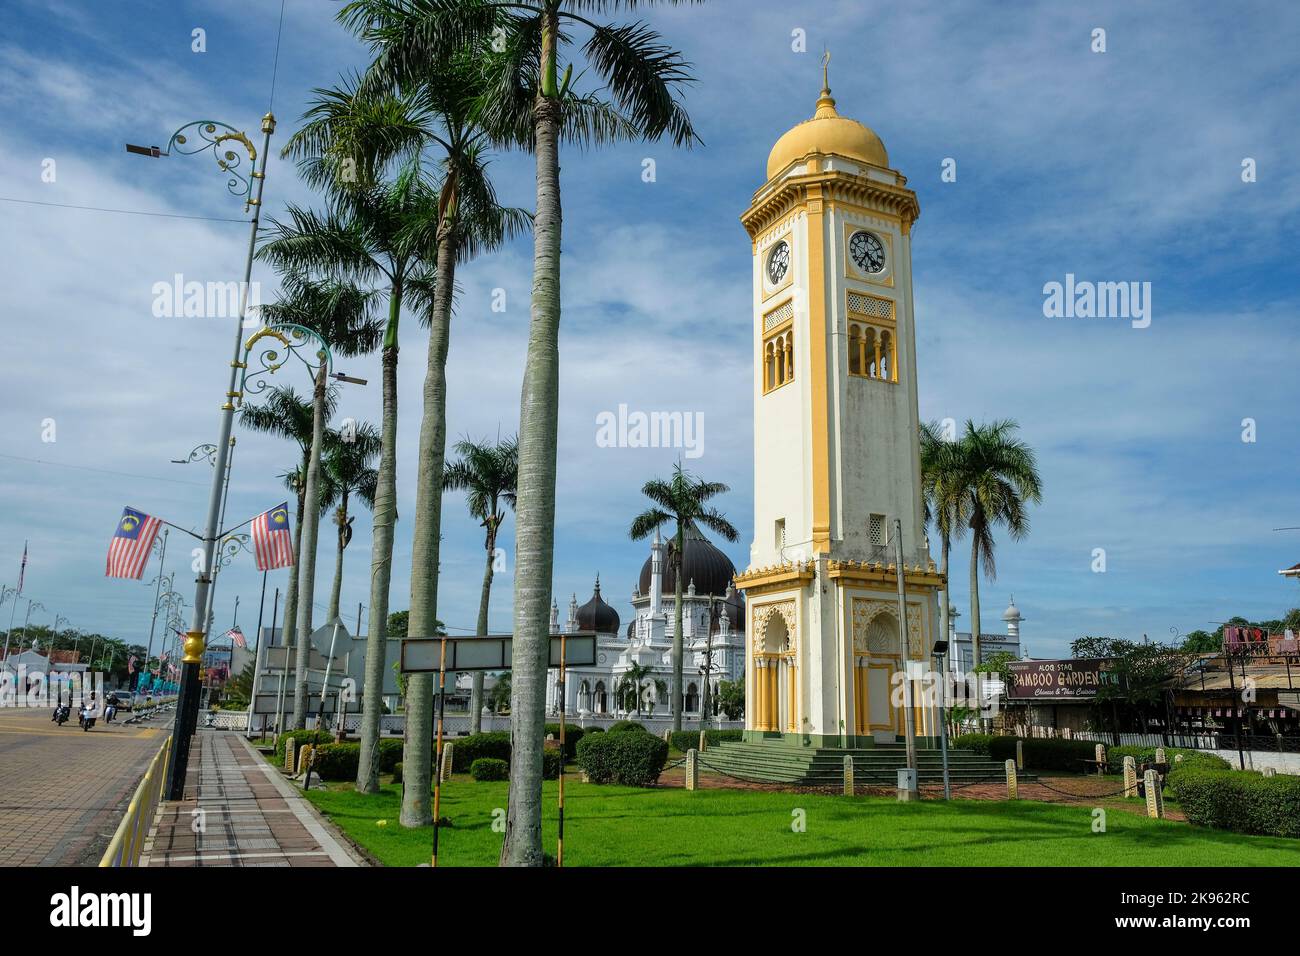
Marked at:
<point>778,261</point>
<point>868,252</point>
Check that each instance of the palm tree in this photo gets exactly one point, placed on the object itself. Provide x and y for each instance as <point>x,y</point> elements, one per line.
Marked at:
<point>347,463</point>
<point>342,315</point>
<point>632,682</point>
<point>998,478</point>
<point>286,415</point>
<point>526,102</point>
<point>682,499</point>
<point>945,504</point>
<point>488,473</point>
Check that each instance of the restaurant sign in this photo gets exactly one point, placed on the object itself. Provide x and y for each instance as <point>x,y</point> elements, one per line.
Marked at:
<point>1074,679</point>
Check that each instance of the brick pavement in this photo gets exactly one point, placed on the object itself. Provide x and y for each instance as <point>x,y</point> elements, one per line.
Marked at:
<point>249,815</point>
<point>63,790</point>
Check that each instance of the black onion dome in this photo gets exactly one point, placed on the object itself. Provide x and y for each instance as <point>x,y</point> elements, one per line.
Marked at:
<point>703,563</point>
<point>596,615</point>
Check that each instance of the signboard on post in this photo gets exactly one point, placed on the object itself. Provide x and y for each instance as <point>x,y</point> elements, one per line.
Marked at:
<point>1072,679</point>
<point>491,652</point>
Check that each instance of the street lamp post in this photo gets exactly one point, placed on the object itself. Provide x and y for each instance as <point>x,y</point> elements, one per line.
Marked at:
<point>26,620</point>
<point>210,138</point>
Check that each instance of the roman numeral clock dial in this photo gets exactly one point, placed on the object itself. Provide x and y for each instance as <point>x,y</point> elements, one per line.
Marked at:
<point>777,263</point>
<point>868,253</point>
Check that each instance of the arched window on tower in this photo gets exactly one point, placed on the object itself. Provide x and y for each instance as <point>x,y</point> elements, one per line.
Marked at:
<point>872,338</point>
<point>778,358</point>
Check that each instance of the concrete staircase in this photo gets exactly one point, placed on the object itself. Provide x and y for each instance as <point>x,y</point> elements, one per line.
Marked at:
<point>779,762</point>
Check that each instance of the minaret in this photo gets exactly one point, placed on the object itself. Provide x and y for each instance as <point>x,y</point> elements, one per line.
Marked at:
<point>1012,616</point>
<point>572,624</point>
<point>555,617</point>
<point>656,575</point>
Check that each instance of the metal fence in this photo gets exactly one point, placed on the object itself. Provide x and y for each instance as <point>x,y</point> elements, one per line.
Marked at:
<point>124,849</point>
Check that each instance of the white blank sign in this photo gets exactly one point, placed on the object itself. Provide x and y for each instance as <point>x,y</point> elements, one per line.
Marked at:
<point>489,653</point>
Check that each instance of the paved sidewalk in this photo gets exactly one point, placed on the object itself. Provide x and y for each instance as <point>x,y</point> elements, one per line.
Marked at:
<point>246,813</point>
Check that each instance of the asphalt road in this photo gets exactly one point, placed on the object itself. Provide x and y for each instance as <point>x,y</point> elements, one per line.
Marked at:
<point>63,790</point>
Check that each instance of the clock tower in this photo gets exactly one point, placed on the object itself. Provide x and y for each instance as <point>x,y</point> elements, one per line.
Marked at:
<point>836,444</point>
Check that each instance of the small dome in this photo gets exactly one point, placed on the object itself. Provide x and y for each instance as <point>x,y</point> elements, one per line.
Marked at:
<point>1012,613</point>
<point>828,133</point>
<point>596,615</point>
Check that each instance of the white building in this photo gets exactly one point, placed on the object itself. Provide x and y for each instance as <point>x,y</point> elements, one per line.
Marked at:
<point>713,653</point>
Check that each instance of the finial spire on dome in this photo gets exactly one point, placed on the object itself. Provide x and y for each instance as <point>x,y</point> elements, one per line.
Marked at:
<point>825,102</point>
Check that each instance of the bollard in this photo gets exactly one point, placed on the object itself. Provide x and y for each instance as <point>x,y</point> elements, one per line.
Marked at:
<point>668,736</point>
<point>1011,780</point>
<point>1178,758</point>
<point>1270,771</point>
<point>1101,759</point>
<point>1160,755</point>
<point>290,755</point>
<point>692,769</point>
<point>1020,755</point>
<point>304,759</point>
<point>848,775</point>
<point>704,740</point>
<point>1155,800</point>
<point>1130,777</point>
<point>445,775</point>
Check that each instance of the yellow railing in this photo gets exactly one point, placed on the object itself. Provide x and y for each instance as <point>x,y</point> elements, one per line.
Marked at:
<point>124,849</point>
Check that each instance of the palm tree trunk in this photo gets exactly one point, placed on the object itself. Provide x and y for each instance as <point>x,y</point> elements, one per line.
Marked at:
<point>476,691</point>
<point>291,590</point>
<point>307,565</point>
<point>417,753</point>
<point>678,644</point>
<point>335,591</point>
<point>535,506</point>
<point>381,560</point>
<point>976,656</point>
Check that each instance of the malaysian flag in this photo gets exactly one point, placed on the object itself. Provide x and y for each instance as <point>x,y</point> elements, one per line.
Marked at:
<point>128,553</point>
<point>236,637</point>
<point>272,543</point>
<point>22,571</point>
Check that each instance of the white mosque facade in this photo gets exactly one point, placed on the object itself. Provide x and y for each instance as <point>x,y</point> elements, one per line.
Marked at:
<point>640,653</point>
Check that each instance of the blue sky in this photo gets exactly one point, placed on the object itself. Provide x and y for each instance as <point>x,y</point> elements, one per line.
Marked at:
<point>1115,166</point>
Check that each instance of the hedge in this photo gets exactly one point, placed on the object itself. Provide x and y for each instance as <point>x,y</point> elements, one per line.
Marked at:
<point>685,740</point>
<point>465,750</point>
<point>572,735</point>
<point>302,737</point>
<point>1241,801</point>
<point>1040,753</point>
<point>1198,758</point>
<point>621,726</point>
<point>632,758</point>
<point>489,768</point>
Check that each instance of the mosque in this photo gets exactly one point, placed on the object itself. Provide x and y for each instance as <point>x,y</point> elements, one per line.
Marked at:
<point>634,668</point>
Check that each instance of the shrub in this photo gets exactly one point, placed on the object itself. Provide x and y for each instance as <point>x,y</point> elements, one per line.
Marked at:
<point>489,768</point>
<point>302,737</point>
<point>632,758</point>
<point>979,743</point>
<point>397,772</point>
<point>572,735</point>
<point>495,744</point>
<point>622,726</point>
<point>594,730</point>
<point>685,740</point>
<point>1241,801</point>
<point>551,763</point>
<point>1191,758</point>
<point>337,761</point>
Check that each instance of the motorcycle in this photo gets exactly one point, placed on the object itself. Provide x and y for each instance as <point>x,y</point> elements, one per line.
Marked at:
<point>87,718</point>
<point>109,713</point>
<point>61,714</point>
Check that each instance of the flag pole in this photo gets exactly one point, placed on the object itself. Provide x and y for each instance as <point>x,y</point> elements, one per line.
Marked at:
<point>157,595</point>
<point>257,659</point>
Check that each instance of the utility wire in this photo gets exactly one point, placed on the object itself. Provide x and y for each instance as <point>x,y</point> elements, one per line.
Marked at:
<point>103,471</point>
<point>275,66</point>
<point>124,212</point>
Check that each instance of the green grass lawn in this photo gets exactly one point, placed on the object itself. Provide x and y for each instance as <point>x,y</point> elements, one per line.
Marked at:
<point>624,826</point>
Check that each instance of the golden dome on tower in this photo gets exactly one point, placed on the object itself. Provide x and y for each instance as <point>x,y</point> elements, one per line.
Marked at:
<point>828,133</point>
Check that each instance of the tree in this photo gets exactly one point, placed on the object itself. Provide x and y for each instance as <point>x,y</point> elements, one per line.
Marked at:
<point>731,698</point>
<point>488,474</point>
<point>347,463</point>
<point>341,314</point>
<point>1202,642</point>
<point>1141,672</point>
<point>682,499</point>
<point>945,504</point>
<point>525,102</point>
<point>998,477</point>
